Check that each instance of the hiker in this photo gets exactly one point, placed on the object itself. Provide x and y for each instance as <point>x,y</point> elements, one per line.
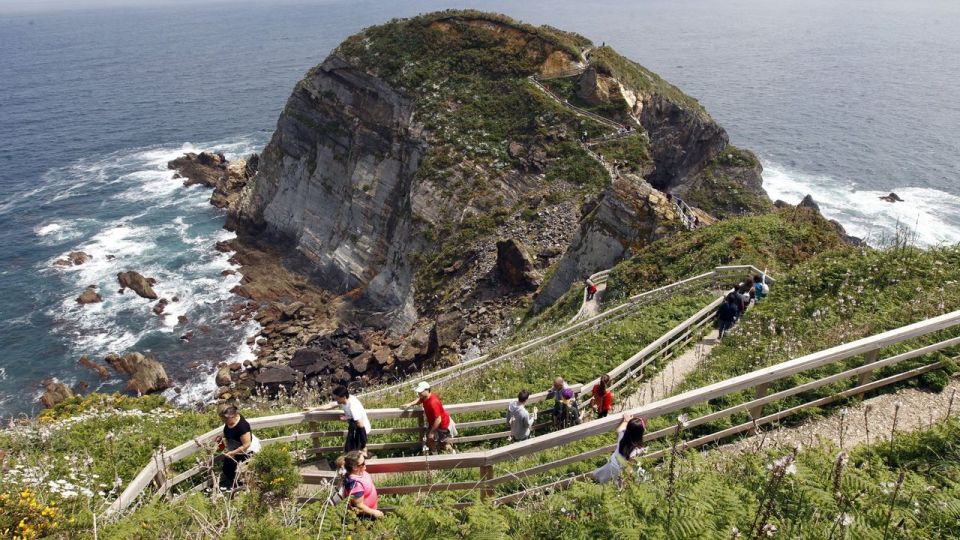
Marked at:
<point>440,428</point>
<point>744,294</point>
<point>238,444</point>
<point>591,289</point>
<point>518,418</point>
<point>629,444</point>
<point>602,400</point>
<point>358,485</point>
<point>726,315</point>
<point>358,425</point>
<point>566,412</point>
<point>760,289</point>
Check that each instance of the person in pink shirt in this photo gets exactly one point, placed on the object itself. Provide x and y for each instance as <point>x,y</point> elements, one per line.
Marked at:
<point>358,485</point>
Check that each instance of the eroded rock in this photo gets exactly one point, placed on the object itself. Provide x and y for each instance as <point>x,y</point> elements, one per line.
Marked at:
<point>134,281</point>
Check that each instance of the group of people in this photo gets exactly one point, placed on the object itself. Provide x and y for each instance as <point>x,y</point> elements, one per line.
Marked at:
<point>737,300</point>
<point>238,443</point>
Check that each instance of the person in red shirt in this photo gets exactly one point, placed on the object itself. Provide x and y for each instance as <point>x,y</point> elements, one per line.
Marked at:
<point>438,421</point>
<point>602,400</point>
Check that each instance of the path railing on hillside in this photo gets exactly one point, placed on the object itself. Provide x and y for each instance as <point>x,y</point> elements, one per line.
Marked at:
<point>759,381</point>
<point>159,471</point>
<point>716,277</point>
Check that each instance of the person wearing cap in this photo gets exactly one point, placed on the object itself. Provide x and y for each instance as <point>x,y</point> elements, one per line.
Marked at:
<point>438,421</point>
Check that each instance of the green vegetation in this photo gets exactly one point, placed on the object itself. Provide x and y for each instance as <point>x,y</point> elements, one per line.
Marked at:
<point>775,241</point>
<point>632,74</point>
<point>833,299</point>
<point>719,188</point>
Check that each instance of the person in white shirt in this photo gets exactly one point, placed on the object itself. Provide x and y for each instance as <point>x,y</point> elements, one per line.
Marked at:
<point>629,446</point>
<point>358,425</point>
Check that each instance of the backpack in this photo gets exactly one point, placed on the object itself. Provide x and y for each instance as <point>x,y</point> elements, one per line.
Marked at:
<point>760,290</point>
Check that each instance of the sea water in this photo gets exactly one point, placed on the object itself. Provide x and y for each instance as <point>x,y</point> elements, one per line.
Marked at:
<point>844,100</point>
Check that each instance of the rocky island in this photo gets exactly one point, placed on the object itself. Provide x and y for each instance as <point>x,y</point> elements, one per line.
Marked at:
<point>437,177</point>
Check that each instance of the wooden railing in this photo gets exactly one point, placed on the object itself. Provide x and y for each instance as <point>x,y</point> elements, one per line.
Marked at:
<point>573,329</point>
<point>157,472</point>
<point>758,381</point>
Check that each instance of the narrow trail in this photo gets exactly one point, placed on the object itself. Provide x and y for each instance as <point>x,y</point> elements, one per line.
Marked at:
<point>591,308</point>
<point>867,422</point>
<point>665,382</point>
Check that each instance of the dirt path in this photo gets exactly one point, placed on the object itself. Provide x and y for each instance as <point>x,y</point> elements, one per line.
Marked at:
<point>866,422</point>
<point>664,383</point>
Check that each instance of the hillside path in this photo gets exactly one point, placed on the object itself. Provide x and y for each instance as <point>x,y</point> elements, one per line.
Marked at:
<point>665,382</point>
<point>591,308</point>
<point>919,409</point>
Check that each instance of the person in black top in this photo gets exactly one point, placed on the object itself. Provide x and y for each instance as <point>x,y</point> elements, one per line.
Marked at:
<point>727,314</point>
<point>236,441</point>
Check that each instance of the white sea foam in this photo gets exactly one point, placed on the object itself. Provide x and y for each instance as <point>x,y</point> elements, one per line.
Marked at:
<point>929,216</point>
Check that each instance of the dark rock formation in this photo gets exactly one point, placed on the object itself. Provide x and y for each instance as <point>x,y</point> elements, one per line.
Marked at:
<point>146,375</point>
<point>160,306</point>
<point>137,283</point>
<point>515,265</point>
<point>74,258</point>
<point>99,369</point>
<point>55,392</point>
<point>213,170</point>
<point>808,202</point>
<point>89,296</point>
<point>278,378</point>
<point>891,197</point>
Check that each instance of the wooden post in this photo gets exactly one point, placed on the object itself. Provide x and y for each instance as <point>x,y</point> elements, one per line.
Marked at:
<point>314,427</point>
<point>486,474</point>
<point>865,378</point>
<point>757,412</point>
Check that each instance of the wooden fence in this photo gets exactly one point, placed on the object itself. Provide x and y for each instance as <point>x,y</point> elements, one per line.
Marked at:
<point>158,470</point>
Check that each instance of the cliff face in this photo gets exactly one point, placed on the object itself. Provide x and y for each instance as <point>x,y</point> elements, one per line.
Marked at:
<point>334,183</point>
<point>400,162</point>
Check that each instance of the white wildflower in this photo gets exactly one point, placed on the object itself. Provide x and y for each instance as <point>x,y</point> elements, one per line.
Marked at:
<point>845,519</point>
<point>683,420</point>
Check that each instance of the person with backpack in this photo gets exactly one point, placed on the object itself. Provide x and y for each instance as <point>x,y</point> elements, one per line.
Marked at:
<point>358,425</point>
<point>760,289</point>
<point>726,315</point>
<point>602,400</point>
<point>566,411</point>
<point>518,418</point>
<point>358,485</point>
<point>629,446</point>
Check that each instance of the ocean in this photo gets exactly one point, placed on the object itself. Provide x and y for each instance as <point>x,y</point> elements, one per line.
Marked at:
<point>844,100</point>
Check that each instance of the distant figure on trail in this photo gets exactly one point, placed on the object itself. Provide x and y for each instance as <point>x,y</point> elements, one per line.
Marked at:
<point>629,445</point>
<point>602,400</point>
<point>358,485</point>
<point>440,428</point>
<point>591,289</point>
<point>744,291</point>
<point>518,418</point>
<point>238,443</point>
<point>726,315</point>
<point>566,411</point>
<point>358,425</point>
<point>760,289</point>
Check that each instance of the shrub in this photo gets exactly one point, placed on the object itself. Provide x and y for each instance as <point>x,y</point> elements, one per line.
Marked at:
<point>274,472</point>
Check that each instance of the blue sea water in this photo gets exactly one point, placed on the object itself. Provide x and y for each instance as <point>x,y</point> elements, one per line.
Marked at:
<point>842,99</point>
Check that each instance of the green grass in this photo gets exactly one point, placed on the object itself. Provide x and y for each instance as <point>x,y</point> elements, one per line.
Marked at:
<point>775,241</point>
<point>833,299</point>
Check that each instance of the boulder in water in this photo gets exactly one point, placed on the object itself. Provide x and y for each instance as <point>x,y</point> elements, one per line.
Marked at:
<point>89,296</point>
<point>74,258</point>
<point>146,374</point>
<point>99,369</point>
<point>891,197</point>
<point>143,286</point>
